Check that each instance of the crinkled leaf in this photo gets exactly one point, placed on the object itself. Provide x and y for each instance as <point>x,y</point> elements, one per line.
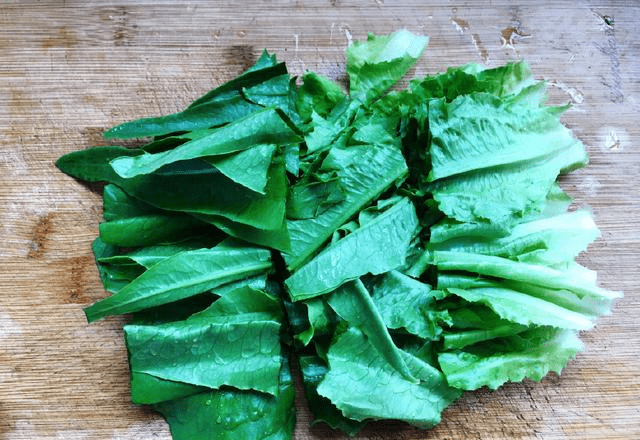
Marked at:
<point>404,302</point>
<point>364,386</point>
<point>313,371</point>
<point>379,62</point>
<point>353,303</point>
<point>364,173</point>
<point>464,338</point>
<point>483,131</point>
<point>548,240</point>
<point>500,81</point>
<point>317,94</point>
<point>539,275</point>
<point>510,305</point>
<point>533,356</point>
<point>516,190</point>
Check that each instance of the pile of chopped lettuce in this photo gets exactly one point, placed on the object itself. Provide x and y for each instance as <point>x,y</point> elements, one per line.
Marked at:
<point>394,247</point>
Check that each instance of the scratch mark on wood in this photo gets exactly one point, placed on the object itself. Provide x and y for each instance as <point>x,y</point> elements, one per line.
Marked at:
<point>347,33</point>
<point>610,49</point>
<point>122,29</point>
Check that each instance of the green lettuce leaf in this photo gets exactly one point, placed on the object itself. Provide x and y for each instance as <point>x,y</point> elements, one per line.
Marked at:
<point>230,414</point>
<point>535,274</point>
<point>531,356</point>
<point>364,172</point>
<point>364,386</point>
<point>313,371</point>
<point>379,62</point>
<point>547,240</point>
<point>353,303</point>
<point>384,240</point>
<point>406,303</point>
<point>264,127</point>
<point>222,345</point>
<point>509,304</point>
<point>220,106</point>
<point>182,275</point>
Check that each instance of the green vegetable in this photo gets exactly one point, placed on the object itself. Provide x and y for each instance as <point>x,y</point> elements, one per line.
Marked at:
<point>401,246</point>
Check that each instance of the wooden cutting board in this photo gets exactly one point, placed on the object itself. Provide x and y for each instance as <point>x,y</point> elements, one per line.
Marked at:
<point>70,69</point>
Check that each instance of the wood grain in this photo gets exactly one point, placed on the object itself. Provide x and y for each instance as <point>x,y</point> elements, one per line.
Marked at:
<point>70,69</point>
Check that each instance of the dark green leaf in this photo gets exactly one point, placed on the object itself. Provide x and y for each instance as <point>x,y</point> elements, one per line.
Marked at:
<point>183,275</point>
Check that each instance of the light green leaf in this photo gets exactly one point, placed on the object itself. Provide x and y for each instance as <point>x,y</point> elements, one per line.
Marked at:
<point>523,309</point>
<point>547,350</point>
<point>523,272</point>
<point>379,62</point>
<point>547,240</point>
<point>482,131</point>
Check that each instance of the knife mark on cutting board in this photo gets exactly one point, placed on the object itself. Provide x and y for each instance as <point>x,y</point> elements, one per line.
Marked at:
<point>119,19</point>
<point>610,49</point>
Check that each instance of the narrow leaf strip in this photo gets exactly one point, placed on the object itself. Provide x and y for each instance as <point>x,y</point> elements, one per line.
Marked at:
<point>183,275</point>
<point>266,126</point>
<point>518,271</point>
